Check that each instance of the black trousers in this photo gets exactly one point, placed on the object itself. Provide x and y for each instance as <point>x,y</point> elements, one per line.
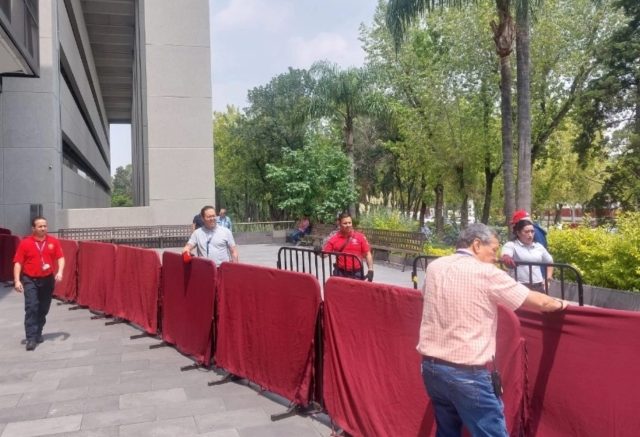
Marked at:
<point>37,301</point>
<point>355,274</point>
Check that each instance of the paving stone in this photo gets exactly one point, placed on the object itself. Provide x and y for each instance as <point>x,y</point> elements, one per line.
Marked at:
<point>112,431</point>
<point>27,387</point>
<point>9,401</point>
<point>39,397</point>
<point>190,408</point>
<point>51,426</point>
<point>232,419</point>
<point>157,397</point>
<point>21,413</point>
<point>80,406</point>
<point>162,428</point>
<point>119,417</point>
<point>88,380</point>
<point>279,430</point>
<point>48,375</point>
<point>105,390</point>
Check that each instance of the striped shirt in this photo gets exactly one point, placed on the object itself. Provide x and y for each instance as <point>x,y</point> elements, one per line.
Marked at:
<point>460,310</point>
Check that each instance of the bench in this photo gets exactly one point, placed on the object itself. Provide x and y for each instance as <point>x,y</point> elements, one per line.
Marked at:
<point>408,243</point>
<point>319,231</point>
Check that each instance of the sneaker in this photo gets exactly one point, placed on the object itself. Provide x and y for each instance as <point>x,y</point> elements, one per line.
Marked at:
<point>31,345</point>
<point>39,339</point>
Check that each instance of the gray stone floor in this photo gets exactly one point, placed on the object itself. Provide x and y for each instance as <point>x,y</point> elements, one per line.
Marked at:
<point>88,379</point>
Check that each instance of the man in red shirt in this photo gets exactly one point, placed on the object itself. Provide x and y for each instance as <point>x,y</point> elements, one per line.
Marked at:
<point>38,263</point>
<point>346,240</point>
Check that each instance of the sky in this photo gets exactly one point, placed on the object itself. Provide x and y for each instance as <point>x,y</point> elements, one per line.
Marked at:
<point>253,41</point>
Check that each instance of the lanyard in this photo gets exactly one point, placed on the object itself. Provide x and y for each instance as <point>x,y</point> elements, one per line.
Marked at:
<point>208,241</point>
<point>41,250</point>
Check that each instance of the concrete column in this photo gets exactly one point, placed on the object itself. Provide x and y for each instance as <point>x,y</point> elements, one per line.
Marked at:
<point>179,108</point>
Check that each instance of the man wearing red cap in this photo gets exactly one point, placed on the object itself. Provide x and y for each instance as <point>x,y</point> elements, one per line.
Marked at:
<point>35,274</point>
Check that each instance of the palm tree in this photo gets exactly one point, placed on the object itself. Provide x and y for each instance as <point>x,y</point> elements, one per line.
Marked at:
<point>402,13</point>
<point>343,94</point>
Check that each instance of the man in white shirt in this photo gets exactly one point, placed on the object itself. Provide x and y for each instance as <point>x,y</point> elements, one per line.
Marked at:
<point>212,241</point>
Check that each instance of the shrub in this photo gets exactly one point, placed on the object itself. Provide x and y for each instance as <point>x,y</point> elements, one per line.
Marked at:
<point>385,218</point>
<point>605,257</point>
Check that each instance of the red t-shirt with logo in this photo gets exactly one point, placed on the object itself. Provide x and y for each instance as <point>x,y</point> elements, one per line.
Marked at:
<point>357,245</point>
<point>34,255</point>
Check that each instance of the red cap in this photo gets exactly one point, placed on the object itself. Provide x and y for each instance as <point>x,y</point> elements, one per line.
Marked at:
<point>186,257</point>
<point>520,214</point>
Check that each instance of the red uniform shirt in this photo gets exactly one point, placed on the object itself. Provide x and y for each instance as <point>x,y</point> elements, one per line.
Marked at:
<point>34,255</point>
<point>357,245</point>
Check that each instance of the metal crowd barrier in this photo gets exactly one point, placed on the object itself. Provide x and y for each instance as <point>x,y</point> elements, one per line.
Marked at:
<point>561,271</point>
<point>317,263</point>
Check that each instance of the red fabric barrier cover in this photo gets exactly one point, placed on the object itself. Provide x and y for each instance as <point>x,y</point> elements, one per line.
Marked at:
<point>5,231</point>
<point>266,325</point>
<point>372,381</point>
<point>96,273</point>
<point>8,246</point>
<point>135,293</point>
<point>583,372</point>
<point>188,292</point>
<point>67,289</point>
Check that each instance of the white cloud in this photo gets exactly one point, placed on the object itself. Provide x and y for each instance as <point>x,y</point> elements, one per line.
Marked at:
<point>326,46</point>
<point>253,14</point>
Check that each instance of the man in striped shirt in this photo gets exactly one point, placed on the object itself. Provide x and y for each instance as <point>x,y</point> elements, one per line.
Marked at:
<point>458,332</point>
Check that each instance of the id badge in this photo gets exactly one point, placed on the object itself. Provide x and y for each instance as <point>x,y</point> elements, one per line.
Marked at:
<point>46,266</point>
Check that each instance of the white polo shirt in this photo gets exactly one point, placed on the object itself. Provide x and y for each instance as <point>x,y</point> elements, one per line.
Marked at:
<point>533,253</point>
<point>213,243</point>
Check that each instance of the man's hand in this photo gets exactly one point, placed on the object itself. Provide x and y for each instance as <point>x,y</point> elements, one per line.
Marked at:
<point>18,286</point>
<point>186,257</point>
<point>508,261</point>
<point>369,276</point>
<point>58,277</point>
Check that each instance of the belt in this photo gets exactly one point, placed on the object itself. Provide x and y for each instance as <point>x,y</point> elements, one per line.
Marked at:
<point>435,360</point>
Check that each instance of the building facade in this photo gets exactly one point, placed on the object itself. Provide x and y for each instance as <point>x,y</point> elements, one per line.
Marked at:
<point>143,62</point>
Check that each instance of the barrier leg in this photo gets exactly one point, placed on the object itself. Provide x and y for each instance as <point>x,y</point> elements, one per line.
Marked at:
<point>229,377</point>
<point>115,322</point>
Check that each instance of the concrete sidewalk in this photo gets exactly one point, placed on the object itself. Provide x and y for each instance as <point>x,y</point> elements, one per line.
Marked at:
<point>88,379</point>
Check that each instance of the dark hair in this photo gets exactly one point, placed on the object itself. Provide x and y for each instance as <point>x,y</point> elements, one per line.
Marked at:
<point>35,219</point>
<point>344,215</point>
<point>520,226</point>
<point>475,231</point>
<point>204,208</point>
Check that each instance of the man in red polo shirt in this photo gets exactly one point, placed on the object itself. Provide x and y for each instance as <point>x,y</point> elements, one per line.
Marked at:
<point>346,240</point>
<point>38,263</point>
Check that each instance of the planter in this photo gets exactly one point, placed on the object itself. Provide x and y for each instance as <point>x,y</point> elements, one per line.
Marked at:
<point>598,296</point>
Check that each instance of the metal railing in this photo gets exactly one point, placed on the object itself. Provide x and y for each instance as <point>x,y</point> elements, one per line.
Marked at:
<point>317,263</point>
<point>561,272</point>
<point>160,236</point>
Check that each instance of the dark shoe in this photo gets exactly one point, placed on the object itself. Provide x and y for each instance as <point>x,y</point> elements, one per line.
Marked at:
<point>39,339</point>
<point>31,345</point>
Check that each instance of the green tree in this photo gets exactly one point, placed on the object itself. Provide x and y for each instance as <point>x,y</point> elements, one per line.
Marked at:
<point>344,95</point>
<point>122,193</point>
<point>313,180</point>
<point>612,104</point>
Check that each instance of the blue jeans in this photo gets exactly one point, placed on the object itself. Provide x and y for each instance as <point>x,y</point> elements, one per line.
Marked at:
<point>463,397</point>
<point>37,301</point>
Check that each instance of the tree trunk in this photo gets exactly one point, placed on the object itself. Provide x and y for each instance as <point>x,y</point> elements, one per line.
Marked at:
<point>503,35</point>
<point>464,211</point>
<point>523,197</point>
<point>348,146</point>
<point>439,213</point>
<point>423,212</point>
<point>489,178</point>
